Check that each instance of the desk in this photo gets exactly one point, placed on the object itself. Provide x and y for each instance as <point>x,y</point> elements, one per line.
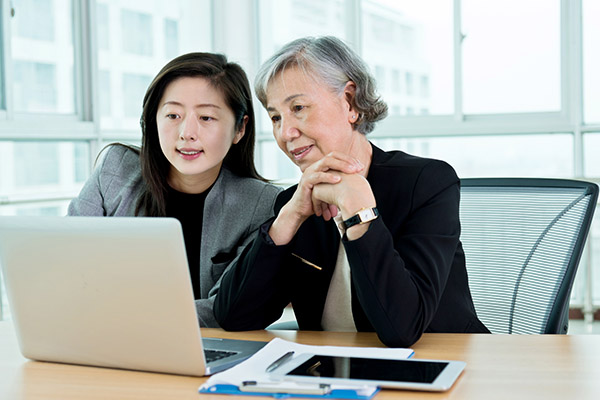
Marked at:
<point>498,367</point>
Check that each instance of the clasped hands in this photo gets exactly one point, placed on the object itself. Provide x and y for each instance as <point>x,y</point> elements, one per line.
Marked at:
<point>333,184</point>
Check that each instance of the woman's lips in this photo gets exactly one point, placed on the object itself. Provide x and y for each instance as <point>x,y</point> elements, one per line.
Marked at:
<point>301,152</point>
<point>189,154</point>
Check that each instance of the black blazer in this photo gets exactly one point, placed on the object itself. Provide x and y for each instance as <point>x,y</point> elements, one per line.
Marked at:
<point>408,270</point>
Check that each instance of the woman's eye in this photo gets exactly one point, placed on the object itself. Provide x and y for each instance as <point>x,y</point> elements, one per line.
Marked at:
<point>172,116</point>
<point>298,107</point>
<point>206,118</point>
<point>275,118</point>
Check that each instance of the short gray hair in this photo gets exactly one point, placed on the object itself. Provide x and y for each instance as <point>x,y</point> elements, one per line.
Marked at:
<point>336,64</point>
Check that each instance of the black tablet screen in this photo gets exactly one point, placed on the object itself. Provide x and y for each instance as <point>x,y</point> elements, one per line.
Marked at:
<point>370,368</point>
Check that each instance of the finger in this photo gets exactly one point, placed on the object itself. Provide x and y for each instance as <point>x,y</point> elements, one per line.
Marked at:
<point>338,162</point>
<point>312,179</point>
<point>333,210</point>
<point>318,210</point>
<point>317,206</point>
<point>325,211</point>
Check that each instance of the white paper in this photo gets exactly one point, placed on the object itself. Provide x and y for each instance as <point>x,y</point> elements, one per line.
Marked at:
<point>253,369</point>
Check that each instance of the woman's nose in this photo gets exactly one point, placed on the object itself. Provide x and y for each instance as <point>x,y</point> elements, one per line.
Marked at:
<point>288,130</point>
<point>188,130</point>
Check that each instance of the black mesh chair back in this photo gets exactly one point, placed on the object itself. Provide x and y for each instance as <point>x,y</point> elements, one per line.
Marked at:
<point>523,240</point>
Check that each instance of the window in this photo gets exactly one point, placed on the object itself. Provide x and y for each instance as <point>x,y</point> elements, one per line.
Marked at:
<point>414,37</point>
<point>34,170</point>
<point>43,57</point>
<point>102,32</point>
<point>284,20</point>
<point>591,61</point>
<point>35,86</point>
<point>497,155</point>
<point>591,148</point>
<point>137,33</point>
<point>2,75</point>
<point>145,36</point>
<point>424,91</point>
<point>380,77</point>
<point>105,95</point>
<point>396,81</point>
<point>171,38</point>
<point>34,19</point>
<point>510,66</point>
<point>409,83</point>
<point>134,87</point>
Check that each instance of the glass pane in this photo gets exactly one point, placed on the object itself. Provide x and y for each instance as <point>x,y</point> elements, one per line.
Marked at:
<point>591,61</point>
<point>135,40</point>
<point>593,245</point>
<point>486,156</point>
<point>591,150</point>
<point>134,87</point>
<point>137,32</point>
<point>273,164</point>
<point>4,311</point>
<point>2,78</point>
<point>43,54</point>
<point>46,208</point>
<point>30,170</point>
<point>281,21</point>
<point>171,38</point>
<point>511,56</point>
<point>408,45</point>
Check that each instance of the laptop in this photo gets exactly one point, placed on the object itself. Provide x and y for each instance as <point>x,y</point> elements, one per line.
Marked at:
<point>109,292</point>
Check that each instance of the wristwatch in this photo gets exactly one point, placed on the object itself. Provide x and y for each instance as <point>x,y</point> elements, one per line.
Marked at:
<point>361,217</point>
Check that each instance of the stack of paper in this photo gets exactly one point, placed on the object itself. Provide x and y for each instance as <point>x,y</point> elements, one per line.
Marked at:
<point>252,378</point>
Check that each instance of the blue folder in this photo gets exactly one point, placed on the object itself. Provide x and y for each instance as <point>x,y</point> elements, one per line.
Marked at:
<point>332,394</point>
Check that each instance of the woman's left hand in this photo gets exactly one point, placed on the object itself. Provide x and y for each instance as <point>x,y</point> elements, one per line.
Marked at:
<point>350,195</point>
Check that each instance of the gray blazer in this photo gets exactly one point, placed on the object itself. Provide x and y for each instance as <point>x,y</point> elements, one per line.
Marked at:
<point>233,211</point>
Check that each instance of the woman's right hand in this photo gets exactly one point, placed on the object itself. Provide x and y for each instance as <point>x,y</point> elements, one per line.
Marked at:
<point>302,205</point>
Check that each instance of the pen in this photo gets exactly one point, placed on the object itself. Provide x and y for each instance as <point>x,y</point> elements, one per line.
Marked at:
<point>273,366</point>
<point>285,388</point>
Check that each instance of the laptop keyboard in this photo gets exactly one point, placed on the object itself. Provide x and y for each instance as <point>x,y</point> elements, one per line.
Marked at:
<point>214,355</point>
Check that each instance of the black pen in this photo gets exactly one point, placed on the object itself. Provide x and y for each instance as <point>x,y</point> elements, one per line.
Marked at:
<point>279,361</point>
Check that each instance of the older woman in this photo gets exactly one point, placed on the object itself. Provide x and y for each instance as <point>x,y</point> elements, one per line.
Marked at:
<point>367,240</point>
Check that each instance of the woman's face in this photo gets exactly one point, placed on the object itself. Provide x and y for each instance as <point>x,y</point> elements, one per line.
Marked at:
<point>309,120</point>
<point>196,128</point>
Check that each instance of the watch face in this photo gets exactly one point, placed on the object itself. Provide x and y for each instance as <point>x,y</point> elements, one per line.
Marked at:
<point>366,215</point>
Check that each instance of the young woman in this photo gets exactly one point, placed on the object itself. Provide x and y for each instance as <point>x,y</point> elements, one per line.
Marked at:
<point>368,240</point>
<point>196,164</point>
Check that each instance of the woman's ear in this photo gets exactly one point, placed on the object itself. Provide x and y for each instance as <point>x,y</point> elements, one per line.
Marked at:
<point>241,132</point>
<point>349,94</point>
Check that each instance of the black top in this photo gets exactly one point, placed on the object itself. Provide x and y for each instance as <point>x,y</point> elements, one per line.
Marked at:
<point>189,210</point>
<point>407,271</point>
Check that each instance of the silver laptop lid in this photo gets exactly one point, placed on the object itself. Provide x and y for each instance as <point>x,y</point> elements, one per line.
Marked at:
<point>112,292</point>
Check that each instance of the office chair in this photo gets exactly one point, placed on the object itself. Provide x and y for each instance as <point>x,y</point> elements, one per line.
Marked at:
<point>523,240</point>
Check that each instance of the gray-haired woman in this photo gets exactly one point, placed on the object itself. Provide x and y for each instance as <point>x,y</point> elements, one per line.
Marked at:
<point>368,240</point>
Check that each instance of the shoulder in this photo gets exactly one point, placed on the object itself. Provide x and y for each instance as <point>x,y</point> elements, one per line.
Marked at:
<point>248,187</point>
<point>117,158</point>
<point>412,176</point>
<point>413,167</point>
<point>120,169</point>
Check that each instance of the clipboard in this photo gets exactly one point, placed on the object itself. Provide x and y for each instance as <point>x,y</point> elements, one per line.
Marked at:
<point>253,377</point>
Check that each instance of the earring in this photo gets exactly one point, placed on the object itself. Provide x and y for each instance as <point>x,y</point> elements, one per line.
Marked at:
<point>353,117</point>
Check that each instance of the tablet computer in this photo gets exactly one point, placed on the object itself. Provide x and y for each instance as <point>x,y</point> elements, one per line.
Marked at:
<point>414,374</point>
